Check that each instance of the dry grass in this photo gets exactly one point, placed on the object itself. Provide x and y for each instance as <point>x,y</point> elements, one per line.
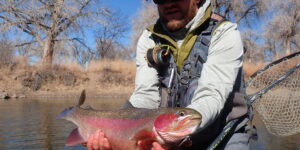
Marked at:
<point>282,67</point>
<point>115,64</point>
<point>113,72</point>
<point>104,76</point>
<point>22,61</point>
<point>251,68</point>
<point>73,67</point>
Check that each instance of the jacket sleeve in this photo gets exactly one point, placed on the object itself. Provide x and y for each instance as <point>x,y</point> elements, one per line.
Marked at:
<point>146,93</point>
<point>225,58</point>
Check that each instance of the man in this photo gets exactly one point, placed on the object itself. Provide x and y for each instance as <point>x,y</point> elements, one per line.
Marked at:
<point>210,90</point>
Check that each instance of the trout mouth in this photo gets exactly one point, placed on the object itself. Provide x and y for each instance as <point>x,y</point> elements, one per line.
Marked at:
<point>189,122</point>
<point>195,118</point>
<point>181,133</point>
<point>176,136</point>
<point>179,130</point>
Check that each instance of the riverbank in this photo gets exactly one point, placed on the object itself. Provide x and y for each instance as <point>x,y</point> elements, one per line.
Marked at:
<point>105,78</point>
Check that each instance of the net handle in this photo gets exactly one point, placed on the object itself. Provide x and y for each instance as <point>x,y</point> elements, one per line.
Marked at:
<point>250,99</point>
<point>269,66</point>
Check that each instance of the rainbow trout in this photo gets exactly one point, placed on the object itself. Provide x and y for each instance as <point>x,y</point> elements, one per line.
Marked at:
<point>124,128</point>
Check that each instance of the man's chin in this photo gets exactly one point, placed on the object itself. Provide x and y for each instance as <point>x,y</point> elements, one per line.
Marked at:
<point>175,25</point>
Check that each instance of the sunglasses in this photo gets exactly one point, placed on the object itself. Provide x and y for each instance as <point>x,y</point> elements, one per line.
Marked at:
<point>160,2</point>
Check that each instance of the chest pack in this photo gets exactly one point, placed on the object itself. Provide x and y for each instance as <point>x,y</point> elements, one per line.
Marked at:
<point>177,87</point>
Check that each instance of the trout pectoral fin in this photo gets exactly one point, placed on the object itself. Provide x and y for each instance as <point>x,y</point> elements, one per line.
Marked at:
<point>144,135</point>
<point>74,138</point>
<point>144,139</point>
<point>145,144</point>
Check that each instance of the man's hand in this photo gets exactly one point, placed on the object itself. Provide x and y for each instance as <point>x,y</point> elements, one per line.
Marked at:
<point>157,146</point>
<point>98,141</point>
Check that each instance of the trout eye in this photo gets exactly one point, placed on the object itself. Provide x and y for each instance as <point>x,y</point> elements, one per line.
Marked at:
<point>181,114</point>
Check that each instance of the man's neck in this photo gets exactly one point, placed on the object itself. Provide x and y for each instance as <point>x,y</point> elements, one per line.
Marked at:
<point>180,34</point>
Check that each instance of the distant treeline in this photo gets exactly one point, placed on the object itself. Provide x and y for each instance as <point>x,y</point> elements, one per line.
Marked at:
<point>55,32</point>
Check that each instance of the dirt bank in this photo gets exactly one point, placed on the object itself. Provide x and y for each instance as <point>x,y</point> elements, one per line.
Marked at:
<point>105,78</point>
<point>101,79</point>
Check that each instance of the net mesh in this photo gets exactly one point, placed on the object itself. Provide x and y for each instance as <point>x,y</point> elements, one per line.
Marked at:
<point>279,108</point>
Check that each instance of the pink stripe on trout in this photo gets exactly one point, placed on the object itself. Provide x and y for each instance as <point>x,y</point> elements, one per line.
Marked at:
<point>125,127</point>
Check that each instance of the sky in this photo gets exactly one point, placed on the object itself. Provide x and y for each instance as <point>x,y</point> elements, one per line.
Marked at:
<point>127,8</point>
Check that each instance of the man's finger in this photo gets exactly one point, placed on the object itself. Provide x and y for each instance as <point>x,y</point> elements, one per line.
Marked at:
<point>96,140</point>
<point>90,143</point>
<point>106,144</point>
<point>157,146</point>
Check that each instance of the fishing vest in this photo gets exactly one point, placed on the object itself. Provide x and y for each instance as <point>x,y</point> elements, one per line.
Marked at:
<point>177,87</point>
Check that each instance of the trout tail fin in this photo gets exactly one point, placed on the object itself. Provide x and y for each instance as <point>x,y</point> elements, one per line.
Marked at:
<point>81,98</point>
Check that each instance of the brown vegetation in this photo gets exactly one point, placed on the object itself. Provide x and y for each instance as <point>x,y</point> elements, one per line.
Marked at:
<point>101,78</point>
<point>37,35</point>
<point>250,68</point>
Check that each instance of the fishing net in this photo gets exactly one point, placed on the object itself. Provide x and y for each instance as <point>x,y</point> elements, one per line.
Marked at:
<point>279,107</point>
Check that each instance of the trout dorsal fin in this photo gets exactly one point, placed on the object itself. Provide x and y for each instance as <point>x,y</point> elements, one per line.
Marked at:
<point>81,98</point>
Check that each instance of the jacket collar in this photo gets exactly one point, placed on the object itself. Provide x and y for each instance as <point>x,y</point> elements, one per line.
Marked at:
<point>202,15</point>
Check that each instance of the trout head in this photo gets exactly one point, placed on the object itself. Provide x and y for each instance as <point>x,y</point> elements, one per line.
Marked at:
<point>67,113</point>
<point>75,137</point>
<point>174,126</point>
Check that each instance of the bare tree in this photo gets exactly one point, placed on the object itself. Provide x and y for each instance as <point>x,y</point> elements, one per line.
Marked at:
<point>6,51</point>
<point>81,53</point>
<point>145,16</point>
<point>105,48</point>
<point>254,52</point>
<point>49,21</point>
<point>282,33</point>
<point>108,36</point>
<point>238,10</point>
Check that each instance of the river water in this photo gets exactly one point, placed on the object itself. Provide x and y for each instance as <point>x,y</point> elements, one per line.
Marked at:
<point>32,124</point>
